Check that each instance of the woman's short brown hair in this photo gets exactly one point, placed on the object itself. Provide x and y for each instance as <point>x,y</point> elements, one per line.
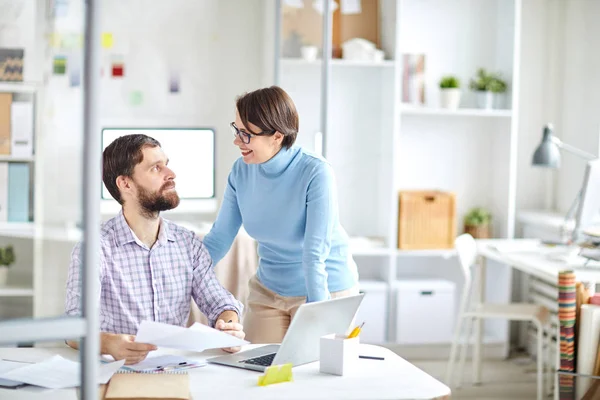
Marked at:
<point>272,110</point>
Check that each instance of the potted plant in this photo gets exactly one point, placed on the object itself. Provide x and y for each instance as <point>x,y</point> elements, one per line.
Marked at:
<point>487,85</point>
<point>7,258</point>
<point>478,223</point>
<point>450,92</point>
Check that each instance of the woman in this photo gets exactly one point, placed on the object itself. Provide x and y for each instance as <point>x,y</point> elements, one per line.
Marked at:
<point>286,199</point>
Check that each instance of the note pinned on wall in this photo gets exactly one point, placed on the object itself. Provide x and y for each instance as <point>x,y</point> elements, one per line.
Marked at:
<point>107,40</point>
<point>59,65</point>
<point>136,98</point>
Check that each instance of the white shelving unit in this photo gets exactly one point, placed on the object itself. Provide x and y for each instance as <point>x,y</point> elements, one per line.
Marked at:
<point>7,291</point>
<point>379,145</point>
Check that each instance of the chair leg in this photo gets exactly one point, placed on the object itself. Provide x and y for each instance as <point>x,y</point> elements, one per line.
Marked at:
<point>453,349</point>
<point>463,351</point>
<point>540,360</point>
<point>549,360</point>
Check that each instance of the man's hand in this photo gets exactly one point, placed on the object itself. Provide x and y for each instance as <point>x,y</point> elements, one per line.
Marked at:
<point>124,347</point>
<point>232,328</point>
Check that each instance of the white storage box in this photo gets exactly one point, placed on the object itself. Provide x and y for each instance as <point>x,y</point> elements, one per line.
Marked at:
<point>425,311</point>
<point>373,312</point>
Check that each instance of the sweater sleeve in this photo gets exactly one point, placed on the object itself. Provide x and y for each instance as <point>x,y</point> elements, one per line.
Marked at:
<point>219,239</point>
<point>321,212</point>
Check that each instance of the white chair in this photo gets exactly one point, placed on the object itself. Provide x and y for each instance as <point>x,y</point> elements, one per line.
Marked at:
<point>472,311</point>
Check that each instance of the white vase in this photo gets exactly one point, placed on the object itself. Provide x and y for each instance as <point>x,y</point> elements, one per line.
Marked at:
<point>485,99</point>
<point>3,275</point>
<point>450,98</point>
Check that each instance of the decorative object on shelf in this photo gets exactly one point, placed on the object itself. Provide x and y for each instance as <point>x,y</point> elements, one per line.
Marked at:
<point>11,65</point>
<point>309,53</point>
<point>426,220</point>
<point>7,258</point>
<point>487,87</point>
<point>358,49</point>
<point>413,79</point>
<point>478,223</point>
<point>450,92</point>
<point>302,25</point>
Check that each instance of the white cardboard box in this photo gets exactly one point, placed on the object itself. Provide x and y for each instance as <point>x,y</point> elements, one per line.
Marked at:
<point>425,311</point>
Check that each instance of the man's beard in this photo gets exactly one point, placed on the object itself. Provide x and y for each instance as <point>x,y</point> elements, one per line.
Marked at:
<point>152,203</point>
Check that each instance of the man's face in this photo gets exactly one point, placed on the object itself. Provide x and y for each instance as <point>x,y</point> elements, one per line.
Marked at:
<point>154,182</point>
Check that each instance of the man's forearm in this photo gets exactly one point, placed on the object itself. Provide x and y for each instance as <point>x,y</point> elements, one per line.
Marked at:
<point>104,339</point>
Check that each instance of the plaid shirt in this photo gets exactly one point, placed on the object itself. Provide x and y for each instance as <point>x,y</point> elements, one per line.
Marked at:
<point>138,283</point>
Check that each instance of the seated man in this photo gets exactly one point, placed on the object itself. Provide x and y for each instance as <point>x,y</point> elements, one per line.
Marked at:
<point>150,268</point>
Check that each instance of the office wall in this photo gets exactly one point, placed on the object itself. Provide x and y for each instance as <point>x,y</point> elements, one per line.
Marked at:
<point>579,93</point>
<point>215,48</point>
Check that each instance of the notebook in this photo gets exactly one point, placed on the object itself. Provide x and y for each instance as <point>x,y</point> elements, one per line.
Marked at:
<point>173,385</point>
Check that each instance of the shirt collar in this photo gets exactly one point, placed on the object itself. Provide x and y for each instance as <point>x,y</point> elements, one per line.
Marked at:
<point>124,233</point>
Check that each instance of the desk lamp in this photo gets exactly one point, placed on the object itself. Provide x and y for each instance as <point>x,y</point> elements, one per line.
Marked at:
<point>547,155</point>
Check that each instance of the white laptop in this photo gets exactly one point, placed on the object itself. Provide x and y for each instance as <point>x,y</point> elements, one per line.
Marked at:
<point>301,342</point>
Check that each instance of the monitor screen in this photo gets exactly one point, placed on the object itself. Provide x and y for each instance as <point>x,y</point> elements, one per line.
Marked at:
<point>191,153</point>
<point>588,213</point>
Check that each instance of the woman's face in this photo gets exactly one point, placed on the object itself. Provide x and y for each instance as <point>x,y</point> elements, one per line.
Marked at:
<point>261,148</point>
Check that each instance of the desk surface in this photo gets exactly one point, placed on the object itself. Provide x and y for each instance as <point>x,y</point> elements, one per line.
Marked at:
<point>394,378</point>
<point>531,257</point>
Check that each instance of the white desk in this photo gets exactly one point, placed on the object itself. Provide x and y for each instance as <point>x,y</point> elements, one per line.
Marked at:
<point>393,378</point>
<point>533,259</point>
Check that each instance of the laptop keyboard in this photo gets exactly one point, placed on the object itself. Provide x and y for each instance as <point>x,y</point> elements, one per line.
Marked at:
<point>265,360</point>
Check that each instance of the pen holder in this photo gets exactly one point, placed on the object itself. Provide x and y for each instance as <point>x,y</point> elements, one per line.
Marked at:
<point>338,355</point>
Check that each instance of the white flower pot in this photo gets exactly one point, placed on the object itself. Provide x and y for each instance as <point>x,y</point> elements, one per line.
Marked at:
<point>3,275</point>
<point>485,99</point>
<point>450,98</point>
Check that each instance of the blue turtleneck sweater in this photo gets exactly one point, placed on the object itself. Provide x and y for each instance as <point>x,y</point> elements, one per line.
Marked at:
<point>289,206</point>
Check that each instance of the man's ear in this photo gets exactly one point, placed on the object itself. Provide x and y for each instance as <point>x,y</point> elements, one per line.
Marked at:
<point>123,183</point>
<point>278,136</point>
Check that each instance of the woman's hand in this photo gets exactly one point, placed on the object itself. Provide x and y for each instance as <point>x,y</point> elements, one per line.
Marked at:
<point>233,329</point>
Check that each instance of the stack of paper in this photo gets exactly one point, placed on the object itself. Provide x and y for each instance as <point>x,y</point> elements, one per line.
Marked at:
<point>198,337</point>
<point>53,373</point>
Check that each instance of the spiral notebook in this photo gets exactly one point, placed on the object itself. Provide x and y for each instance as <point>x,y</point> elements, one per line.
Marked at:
<point>172,385</point>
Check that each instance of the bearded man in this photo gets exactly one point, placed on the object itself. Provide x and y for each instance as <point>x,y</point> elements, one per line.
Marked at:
<point>150,268</point>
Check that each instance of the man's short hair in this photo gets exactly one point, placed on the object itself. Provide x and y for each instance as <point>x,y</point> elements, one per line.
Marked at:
<point>121,157</point>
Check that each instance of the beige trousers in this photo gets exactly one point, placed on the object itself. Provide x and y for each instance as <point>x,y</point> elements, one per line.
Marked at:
<point>269,314</point>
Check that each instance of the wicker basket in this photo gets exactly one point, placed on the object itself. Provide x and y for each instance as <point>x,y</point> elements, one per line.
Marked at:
<point>479,231</point>
<point>426,220</point>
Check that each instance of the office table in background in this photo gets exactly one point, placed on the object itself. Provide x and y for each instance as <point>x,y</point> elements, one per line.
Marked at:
<point>392,378</point>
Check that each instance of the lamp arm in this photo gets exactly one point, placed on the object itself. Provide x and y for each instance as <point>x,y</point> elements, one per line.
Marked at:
<point>573,149</point>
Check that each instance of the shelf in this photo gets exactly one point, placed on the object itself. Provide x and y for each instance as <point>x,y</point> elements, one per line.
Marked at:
<point>340,63</point>
<point>408,109</point>
<point>17,159</point>
<point>445,253</point>
<point>28,230</point>
<point>19,87</point>
<point>15,292</point>
<point>17,229</point>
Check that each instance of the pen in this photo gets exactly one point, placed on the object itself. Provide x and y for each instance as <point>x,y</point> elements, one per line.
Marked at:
<point>356,331</point>
<point>371,358</point>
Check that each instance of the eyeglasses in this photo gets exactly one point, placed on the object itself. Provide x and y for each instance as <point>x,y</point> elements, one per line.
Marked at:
<point>246,136</point>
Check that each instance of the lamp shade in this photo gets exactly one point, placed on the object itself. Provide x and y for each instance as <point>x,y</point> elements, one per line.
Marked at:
<point>547,153</point>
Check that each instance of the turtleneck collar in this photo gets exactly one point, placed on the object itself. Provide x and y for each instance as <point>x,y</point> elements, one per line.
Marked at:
<point>280,161</point>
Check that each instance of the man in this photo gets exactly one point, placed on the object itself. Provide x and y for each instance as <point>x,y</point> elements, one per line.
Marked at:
<point>149,268</point>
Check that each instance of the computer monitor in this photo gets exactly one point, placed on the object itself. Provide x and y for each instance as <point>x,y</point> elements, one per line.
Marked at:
<point>191,153</point>
<point>588,212</point>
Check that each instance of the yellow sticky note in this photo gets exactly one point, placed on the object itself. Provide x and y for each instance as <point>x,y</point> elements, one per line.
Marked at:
<point>54,40</point>
<point>276,374</point>
<point>107,40</point>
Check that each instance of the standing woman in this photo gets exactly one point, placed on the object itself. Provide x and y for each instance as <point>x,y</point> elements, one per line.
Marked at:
<point>286,199</point>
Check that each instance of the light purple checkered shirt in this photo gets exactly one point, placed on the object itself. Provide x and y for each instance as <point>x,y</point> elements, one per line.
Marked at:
<point>157,284</point>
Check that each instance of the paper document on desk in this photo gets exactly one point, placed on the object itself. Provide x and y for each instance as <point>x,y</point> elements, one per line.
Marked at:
<point>198,337</point>
<point>57,373</point>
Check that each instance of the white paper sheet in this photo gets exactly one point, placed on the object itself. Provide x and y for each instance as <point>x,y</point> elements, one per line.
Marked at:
<point>166,361</point>
<point>6,366</point>
<point>57,373</point>
<point>198,337</point>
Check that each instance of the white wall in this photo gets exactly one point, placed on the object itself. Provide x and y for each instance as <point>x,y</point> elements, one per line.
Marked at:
<point>579,92</point>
